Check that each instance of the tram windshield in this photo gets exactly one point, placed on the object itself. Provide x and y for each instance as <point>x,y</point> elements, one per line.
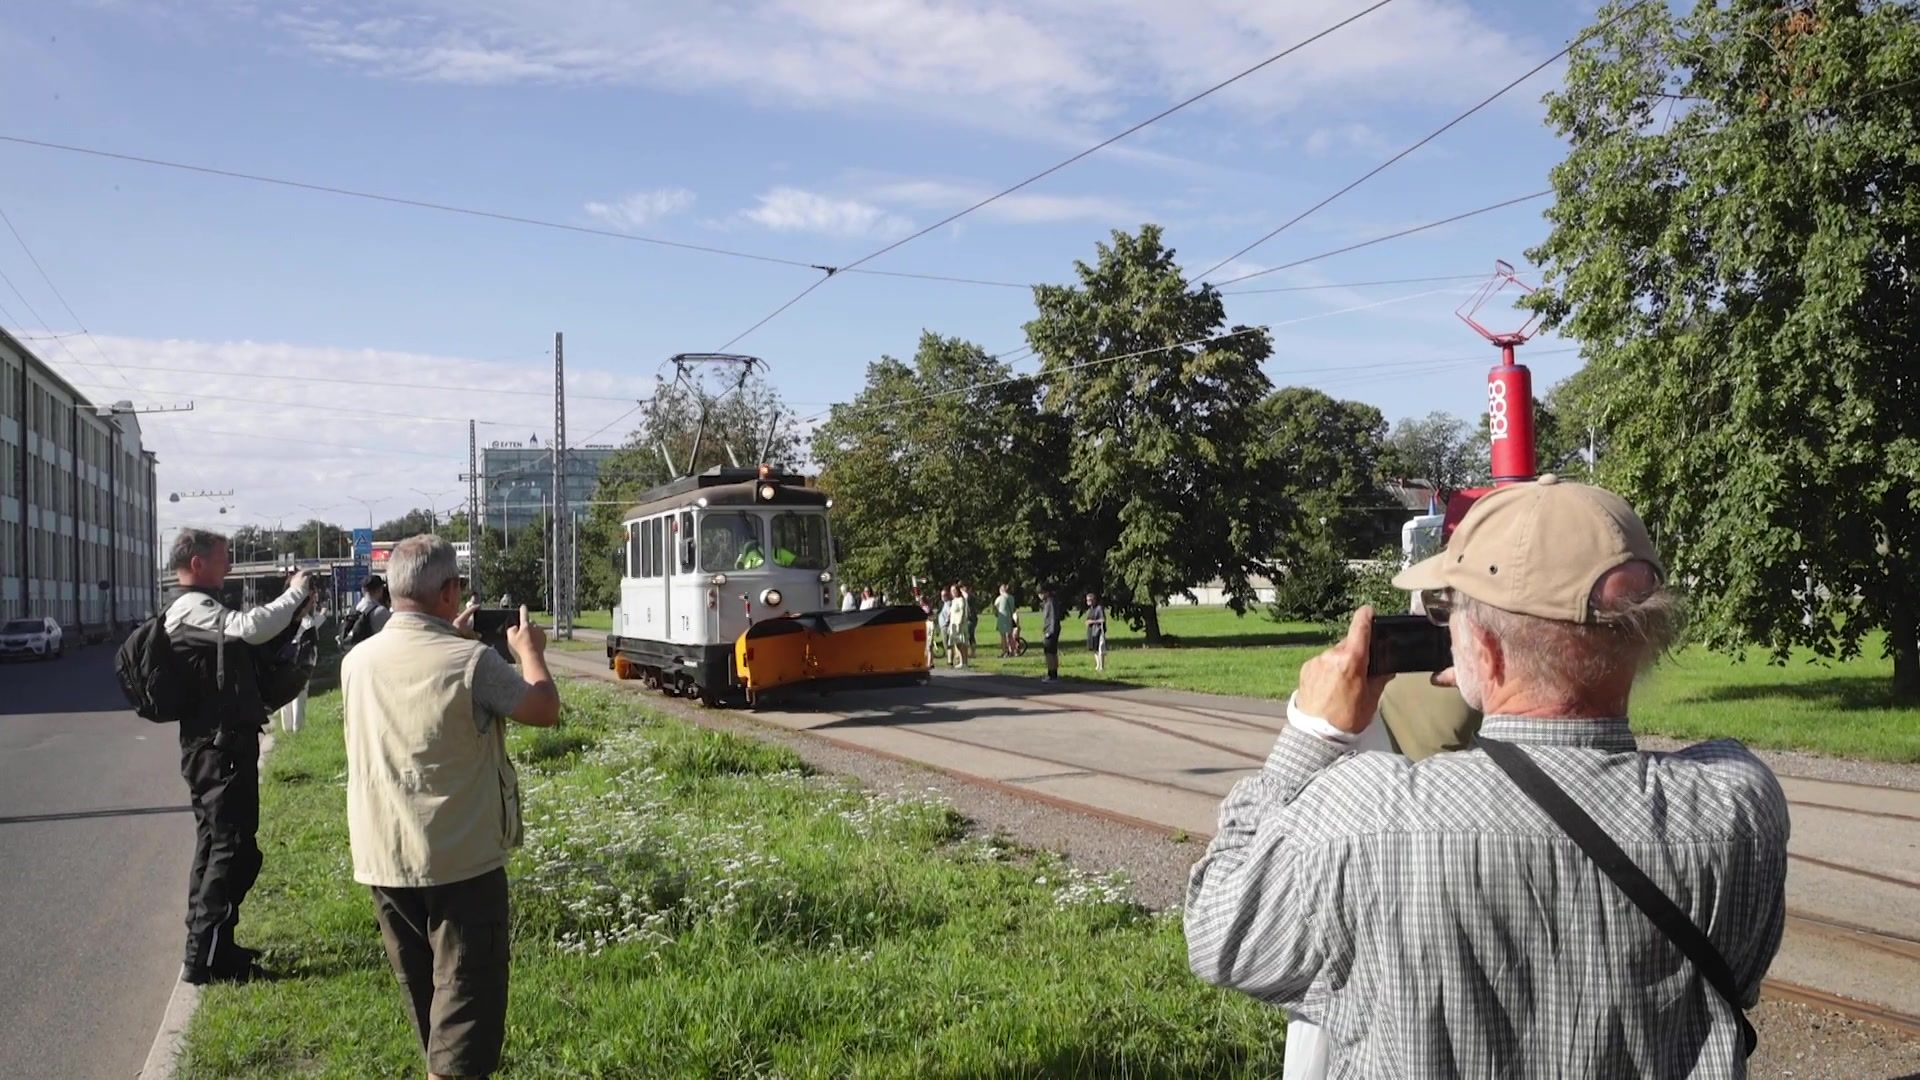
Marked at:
<point>731,541</point>
<point>800,541</point>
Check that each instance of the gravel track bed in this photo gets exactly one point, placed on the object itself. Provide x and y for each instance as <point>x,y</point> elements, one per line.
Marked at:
<point>1815,766</point>
<point>1796,1041</point>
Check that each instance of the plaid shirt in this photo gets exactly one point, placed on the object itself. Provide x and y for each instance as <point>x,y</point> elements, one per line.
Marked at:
<point>1437,923</point>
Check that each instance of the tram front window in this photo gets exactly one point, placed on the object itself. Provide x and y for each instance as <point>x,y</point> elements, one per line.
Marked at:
<point>731,542</point>
<point>800,541</point>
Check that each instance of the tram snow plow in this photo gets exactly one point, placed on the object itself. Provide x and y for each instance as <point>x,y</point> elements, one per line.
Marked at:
<point>832,650</point>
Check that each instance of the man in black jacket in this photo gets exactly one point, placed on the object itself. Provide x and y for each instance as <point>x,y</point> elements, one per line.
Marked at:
<point>220,745</point>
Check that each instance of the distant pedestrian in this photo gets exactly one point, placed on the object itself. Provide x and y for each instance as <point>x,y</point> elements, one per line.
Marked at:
<point>940,621</point>
<point>1006,619</point>
<point>433,805</point>
<point>1050,631</point>
<point>932,613</point>
<point>970,629</point>
<point>957,627</point>
<point>1097,631</point>
<point>850,599</point>
<point>868,599</point>
<point>293,715</point>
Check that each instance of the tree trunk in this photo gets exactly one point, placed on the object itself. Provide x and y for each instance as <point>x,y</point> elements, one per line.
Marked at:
<point>1153,625</point>
<point>1903,639</point>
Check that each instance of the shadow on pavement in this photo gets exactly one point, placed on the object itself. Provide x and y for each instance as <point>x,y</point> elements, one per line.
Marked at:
<point>81,815</point>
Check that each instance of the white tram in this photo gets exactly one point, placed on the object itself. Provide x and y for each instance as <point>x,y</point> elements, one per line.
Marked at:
<point>727,593</point>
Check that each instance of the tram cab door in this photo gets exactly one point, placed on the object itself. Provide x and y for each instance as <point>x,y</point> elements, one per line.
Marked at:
<point>663,559</point>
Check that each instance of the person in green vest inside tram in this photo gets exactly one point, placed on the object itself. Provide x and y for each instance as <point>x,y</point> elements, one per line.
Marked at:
<point>751,557</point>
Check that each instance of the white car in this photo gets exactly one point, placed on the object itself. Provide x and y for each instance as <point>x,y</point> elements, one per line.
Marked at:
<point>39,638</point>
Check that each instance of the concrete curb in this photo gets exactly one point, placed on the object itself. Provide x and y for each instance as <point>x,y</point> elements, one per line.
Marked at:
<point>164,1054</point>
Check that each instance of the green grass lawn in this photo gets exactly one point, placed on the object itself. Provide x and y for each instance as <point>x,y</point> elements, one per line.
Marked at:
<point>694,904</point>
<point>592,620</point>
<point>1827,707</point>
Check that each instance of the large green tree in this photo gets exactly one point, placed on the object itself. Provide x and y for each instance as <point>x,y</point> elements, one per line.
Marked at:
<point>1733,243</point>
<point>940,470</point>
<point>668,440</point>
<point>1321,458</point>
<point>1159,398</point>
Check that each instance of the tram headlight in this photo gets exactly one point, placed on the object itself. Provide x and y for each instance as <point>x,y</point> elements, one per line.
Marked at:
<point>718,579</point>
<point>767,492</point>
<point>826,575</point>
<point>771,598</point>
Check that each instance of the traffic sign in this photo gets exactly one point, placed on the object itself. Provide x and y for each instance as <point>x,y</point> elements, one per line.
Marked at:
<point>349,579</point>
<point>362,546</point>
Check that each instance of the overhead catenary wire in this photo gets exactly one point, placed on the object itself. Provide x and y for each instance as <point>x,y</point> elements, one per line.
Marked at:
<point>60,296</point>
<point>352,410</point>
<point>1395,235</point>
<point>33,311</point>
<point>377,384</point>
<point>831,271</point>
<point>1425,139</point>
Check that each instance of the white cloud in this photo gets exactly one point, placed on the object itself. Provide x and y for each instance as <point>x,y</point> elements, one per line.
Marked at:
<point>1050,68</point>
<point>297,444</point>
<point>641,208</point>
<point>787,209</point>
<point>1357,138</point>
<point>1021,207</point>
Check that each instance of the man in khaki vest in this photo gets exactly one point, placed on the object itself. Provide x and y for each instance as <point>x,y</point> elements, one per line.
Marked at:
<point>433,805</point>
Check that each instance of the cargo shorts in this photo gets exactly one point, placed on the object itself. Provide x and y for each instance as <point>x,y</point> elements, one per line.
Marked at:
<point>448,946</point>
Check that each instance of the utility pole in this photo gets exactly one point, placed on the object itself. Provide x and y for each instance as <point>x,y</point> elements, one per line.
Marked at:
<point>562,591</point>
<point>473,510</point>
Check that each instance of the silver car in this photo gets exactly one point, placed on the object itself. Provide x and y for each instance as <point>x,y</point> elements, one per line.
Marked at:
<point>39,638</point>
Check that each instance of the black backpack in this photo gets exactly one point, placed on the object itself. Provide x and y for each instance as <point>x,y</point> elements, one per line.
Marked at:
<point>151,676</point>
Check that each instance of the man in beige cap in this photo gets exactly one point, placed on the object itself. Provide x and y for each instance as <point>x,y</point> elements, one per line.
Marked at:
<point>1448,917</point>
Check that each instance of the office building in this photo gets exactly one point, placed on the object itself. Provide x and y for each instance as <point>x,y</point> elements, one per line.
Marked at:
<point>516,485</point>
<point>78,534</point>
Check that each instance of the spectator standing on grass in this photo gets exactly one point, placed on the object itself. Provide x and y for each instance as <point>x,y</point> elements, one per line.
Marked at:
<point>1050,632</point>
<point>293,715</point>
<point>433,805</point>
<point>1004,609</point>
<point>971,628</point>
<point>1097,631</point>
<point>932,613</point>
<point>868,601</point>
<point>1435,918</point>
<point>220,745</point>
<point>849,599</point>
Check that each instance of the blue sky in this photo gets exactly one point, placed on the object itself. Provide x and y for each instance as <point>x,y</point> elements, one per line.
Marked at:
<point>814,130</point>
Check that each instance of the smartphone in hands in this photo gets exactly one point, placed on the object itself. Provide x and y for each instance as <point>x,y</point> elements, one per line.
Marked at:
<point>492,625</point>
<point>1408,643</point>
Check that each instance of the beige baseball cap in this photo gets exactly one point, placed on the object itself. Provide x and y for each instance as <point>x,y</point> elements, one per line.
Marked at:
<point>1537,549</point>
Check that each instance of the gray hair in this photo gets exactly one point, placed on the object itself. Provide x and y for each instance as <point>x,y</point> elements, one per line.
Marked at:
<point>419,567</point>
<point>190,543</point>
<point>1581,657</point>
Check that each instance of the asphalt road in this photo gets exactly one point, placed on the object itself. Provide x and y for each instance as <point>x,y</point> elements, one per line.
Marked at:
<point>95,838</point>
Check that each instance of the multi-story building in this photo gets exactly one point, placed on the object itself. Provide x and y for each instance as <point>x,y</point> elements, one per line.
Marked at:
<point>517,481</point>
<point>78,534</point>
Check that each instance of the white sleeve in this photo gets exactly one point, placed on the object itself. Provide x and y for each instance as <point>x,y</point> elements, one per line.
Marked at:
<point>259,625</point>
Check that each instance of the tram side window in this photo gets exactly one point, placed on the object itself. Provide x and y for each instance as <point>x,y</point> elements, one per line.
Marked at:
<point>687,547</point>
<point>646,553</point>
<point>731,541</point>
<point>655,529</point>
<point>800,541</point>
<point>633,549</point>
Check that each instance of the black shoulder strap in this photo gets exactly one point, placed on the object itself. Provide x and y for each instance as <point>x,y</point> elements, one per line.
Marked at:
<point>1640,889</point>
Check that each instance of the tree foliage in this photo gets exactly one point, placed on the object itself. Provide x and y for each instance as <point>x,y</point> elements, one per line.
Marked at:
<point>941,470</point>
<point>1320,458</point>
<point>1733,243</point>
<point>1159,399</point>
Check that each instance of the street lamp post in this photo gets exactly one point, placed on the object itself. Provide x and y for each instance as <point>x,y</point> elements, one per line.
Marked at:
<point>369,507</point>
